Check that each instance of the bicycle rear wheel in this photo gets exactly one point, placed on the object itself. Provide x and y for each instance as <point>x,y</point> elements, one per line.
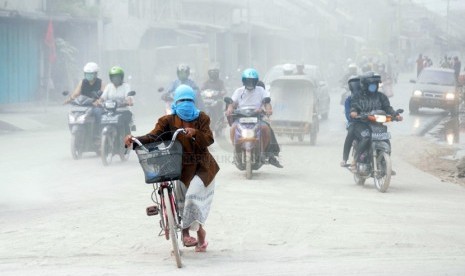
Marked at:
<point>172,227</point>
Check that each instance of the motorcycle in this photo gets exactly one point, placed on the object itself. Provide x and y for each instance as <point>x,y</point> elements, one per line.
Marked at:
<point>247,152</point>
<point>213,107</point>
<point>167,97</point>
<point>113,132</point>
<point>377,160</point>
<point>81,124</point>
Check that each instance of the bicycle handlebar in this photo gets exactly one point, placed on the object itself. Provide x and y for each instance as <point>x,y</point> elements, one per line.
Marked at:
<point>134,139</point>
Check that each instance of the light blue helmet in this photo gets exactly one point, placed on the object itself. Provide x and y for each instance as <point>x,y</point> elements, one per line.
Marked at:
<point>250,78</point>
<point>184,92</point>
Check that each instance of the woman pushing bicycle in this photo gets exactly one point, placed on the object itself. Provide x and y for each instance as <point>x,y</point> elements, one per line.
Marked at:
<point>194,192</point>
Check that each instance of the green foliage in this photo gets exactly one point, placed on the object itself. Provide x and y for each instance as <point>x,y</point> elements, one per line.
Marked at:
<point>67,59</point>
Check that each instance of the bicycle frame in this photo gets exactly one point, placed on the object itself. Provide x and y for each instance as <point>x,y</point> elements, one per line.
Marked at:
<point>158,199</point>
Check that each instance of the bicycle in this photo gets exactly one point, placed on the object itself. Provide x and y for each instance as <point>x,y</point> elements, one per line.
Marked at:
<point>162,168</point>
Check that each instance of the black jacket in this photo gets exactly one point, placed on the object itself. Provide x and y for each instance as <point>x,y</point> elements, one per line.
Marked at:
<point>367,102</point>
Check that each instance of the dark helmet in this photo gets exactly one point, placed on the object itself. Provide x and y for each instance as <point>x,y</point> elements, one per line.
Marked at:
<point>250,78</point>
<point>214,72</point>
<point>354,84</point>
<point>261,84</point>
<point>183,71</point>
<point>369,82</point>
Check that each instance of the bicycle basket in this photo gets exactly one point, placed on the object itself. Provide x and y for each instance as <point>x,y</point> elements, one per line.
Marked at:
<point>161,165</point>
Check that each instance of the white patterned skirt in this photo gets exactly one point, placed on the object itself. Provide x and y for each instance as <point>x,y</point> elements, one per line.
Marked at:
<point>194,202</point>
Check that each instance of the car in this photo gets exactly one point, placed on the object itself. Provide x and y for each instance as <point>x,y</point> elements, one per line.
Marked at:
<point>435,88</point>
<point>313,72</point>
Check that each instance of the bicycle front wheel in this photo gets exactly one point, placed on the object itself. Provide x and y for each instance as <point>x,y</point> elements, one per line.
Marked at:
<point>172,226</point>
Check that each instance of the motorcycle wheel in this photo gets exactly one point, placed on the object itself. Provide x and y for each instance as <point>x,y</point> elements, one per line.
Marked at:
<point>248,164</point>
<point>106,152</point>
<point>76,152</point>
<point>383,176</point>
<point>359,180</point>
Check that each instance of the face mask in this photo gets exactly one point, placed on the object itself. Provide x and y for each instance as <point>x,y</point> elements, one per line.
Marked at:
<point>182,76</point>
<point>185,110</point>
<point>89,76</point>
<point>249,84</point>
<point>372,87</point>
<point>116,80</point>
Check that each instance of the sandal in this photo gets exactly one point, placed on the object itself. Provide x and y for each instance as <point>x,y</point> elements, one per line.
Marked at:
<point>189,241</point>
<point>202,248</point>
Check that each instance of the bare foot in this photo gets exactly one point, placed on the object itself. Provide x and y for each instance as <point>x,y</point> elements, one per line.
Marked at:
<point>187,240</point>
<point>185,233</point>
<point>201,235</point>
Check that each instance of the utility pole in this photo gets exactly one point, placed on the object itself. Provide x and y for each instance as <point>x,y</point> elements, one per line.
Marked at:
<point>249,36</point>
<point>447,25</point>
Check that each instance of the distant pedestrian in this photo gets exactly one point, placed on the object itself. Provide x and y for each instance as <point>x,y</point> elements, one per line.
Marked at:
<point>420,64</point>
<point>457,66</point>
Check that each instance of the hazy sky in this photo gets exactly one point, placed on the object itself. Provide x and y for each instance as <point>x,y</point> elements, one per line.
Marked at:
<point>440,6</point>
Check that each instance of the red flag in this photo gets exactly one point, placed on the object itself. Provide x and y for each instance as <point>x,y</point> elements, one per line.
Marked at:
<point>50,42</point>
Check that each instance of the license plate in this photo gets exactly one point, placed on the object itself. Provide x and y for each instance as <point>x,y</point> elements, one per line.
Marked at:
<point>248,120</point>
<point>209,101</point>
<point>379,132</point>
<point>381,136</point>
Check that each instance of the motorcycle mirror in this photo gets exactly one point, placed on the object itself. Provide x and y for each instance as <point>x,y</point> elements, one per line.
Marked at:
<point>228,100</point>
<point>399,111</point>
<point>131,93</point>
<point>65,93</point>
<point>161,89</point>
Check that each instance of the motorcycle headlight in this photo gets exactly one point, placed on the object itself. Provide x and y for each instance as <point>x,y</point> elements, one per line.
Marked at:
<point>417,93</point>
<point>450,96</point>
<point>247,133</point>
<point>71,119</point>
<point>81,118</point>
<point>110,104</point>
<point>208,93</point>
<point>380,118</point>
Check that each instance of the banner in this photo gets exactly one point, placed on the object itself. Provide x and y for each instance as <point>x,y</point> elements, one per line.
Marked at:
<point>50,42</point>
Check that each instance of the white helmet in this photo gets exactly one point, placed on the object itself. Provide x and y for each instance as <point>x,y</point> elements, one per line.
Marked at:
<point>288,69</point>
<point>91,67</point>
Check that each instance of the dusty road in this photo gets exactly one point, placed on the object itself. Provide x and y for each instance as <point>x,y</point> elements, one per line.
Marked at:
<point>64,217</point>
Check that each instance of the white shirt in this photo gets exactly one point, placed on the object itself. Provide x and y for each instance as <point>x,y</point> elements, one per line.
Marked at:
<point>243,97</point>
<point>119,94</point>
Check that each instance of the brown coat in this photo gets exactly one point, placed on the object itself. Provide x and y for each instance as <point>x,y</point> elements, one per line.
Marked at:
<point>197,160</point>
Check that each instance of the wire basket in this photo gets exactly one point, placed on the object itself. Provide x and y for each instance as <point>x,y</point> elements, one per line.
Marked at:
<point>161,165</point>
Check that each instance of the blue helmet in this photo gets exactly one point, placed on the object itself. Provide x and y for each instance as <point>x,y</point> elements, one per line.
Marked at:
<point>250,78</point>
<point>184,92</point>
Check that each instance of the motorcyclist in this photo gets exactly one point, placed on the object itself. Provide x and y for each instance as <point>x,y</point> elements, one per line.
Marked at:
<point>368,100</point>
<point>273,149</point>
<point>352,70</point>
<point>91,86</point>
<point>354,87</point>
<point>214,82</point>
<point>183,71</point>
<point>252,95</point>
<point>118,90</point>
